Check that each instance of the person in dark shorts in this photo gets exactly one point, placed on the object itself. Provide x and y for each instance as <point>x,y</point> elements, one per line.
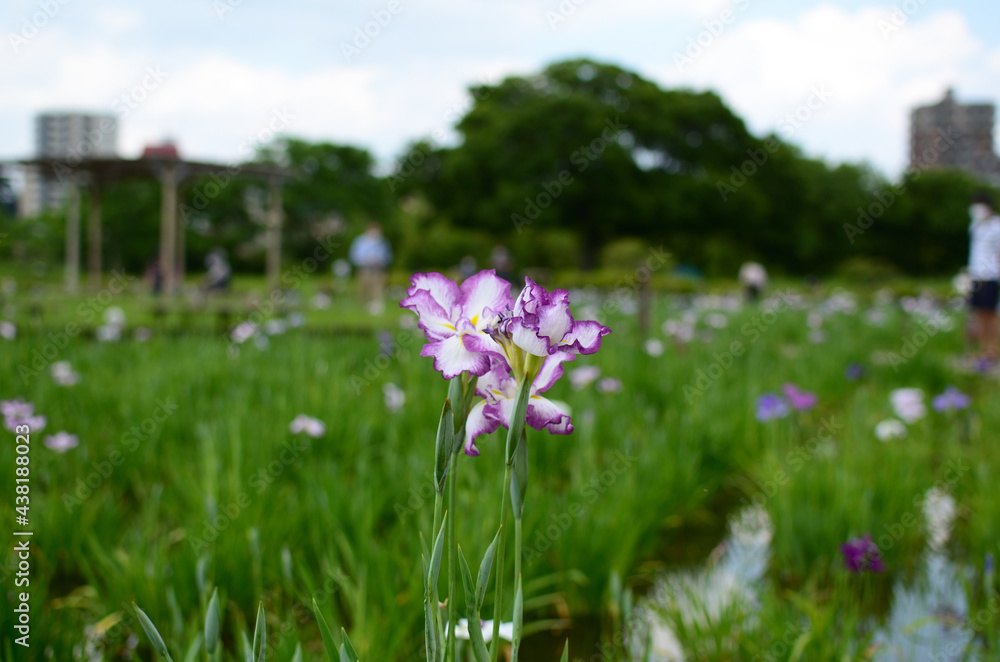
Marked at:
<point>984,270</point>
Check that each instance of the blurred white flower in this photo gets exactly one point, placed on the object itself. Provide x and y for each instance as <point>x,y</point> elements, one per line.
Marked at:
<point>817,336</point>
<point>394,396</point>
<point>341,268</point>
<point>408,322</point>
<point>295,320</point>
<point>321,301</point>
<point>63,374</point>
<point>962,283</point>
<point>7,330</point>
<point>716,320</point>
<point>876,316</point>
<point>109,333</point>
<point>275,327</point>
<point>890,429</point>
<point>462,630</point>
<point>142,334</point>
<point>584,376</point>
<point>682,330</point>
<point>114,316</point>
<point>814,320</point>
<point>908,403</point>
<point>609,385</point>
<point>313,427</point>
<point>654,347</point>
<point>939,512</point>
<point>61,441</point>
<point>260,341</point>
<point>243,332</point>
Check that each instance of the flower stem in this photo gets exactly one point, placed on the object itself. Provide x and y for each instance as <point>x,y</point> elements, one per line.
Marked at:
<point>438,504</point>
<point>452,555</point>
<point>498,597</point>
<point>517,549</point>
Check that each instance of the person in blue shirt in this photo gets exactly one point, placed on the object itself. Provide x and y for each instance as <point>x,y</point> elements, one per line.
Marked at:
<point>371,254</point>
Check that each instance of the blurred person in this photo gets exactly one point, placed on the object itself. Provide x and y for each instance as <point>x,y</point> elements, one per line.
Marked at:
<point>371,254</point>
<point>154,276</point>
<point>753,278</point>
<point>503,263</point>
<point>467,267</point>
<point>219,273</point>
<point>984,270</point>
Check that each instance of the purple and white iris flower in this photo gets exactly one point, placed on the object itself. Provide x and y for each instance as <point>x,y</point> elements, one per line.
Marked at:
<point>541,325</point>
<point>499,390</point>
<point>477,329</point>
<point>455,319</point>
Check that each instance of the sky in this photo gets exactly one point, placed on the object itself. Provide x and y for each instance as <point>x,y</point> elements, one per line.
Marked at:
<point>220,77</point>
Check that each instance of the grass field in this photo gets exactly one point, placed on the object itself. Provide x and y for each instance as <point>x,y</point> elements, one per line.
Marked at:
<point>186,476</point>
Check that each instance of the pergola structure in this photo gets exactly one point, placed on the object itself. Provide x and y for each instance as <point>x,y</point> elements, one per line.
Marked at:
<point>97,174</point>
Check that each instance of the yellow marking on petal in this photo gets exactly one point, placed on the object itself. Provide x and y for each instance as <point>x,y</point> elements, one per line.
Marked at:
<point>448,326</point>
<point>475,318</point>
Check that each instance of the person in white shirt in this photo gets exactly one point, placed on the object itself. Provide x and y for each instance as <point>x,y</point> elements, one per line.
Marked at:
<point>984,270</point>
<point>753,278</point>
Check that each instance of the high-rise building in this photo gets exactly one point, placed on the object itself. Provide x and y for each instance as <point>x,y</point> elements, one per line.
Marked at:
<point>949,134</point>
<point>69,137</point>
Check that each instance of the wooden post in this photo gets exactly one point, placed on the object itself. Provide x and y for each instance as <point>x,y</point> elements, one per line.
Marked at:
<point>181,265</point>
<point>94,236</point>
<point>274,219</point>
<point>168,227</point>
<point>73,239</point>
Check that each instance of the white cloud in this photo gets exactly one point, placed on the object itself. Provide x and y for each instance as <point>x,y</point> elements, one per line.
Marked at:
<point>767,68</point>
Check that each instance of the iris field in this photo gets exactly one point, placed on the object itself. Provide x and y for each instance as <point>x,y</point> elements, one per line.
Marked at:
<point>182,474</point>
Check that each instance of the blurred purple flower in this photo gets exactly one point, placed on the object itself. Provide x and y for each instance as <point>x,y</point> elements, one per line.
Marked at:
<point>800,400</point>
<point>609,385</point>
<point>61,441</point>
<point>771,406</point>
<point>18,412</point>
<point>16,408</point>
<point>951,400</point>
<point>455,319</point>
<point>394,396</point>
<point>499,390</point>
<point>584,376</point>
<point>861,555</point>
<point>854,372</point>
